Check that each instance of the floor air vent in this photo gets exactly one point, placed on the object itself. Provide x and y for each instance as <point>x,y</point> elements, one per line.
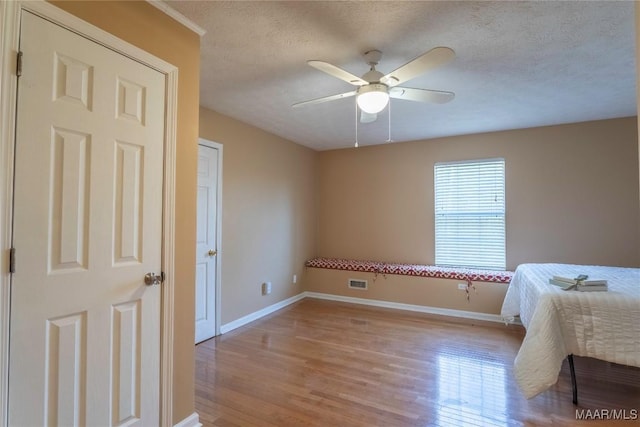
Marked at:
<point>357,284</point>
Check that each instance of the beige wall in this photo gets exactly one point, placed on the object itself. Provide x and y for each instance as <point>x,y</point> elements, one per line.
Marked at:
<point>425,291</point>
<point>572,195</point>
<point>269,213</point>
<point>146,27</point>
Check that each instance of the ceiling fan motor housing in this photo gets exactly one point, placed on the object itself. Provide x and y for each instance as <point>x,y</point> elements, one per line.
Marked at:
<point>372,76</point>
<point>373,87</point>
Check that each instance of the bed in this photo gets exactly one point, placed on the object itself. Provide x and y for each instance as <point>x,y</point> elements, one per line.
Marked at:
<point>559,324</point>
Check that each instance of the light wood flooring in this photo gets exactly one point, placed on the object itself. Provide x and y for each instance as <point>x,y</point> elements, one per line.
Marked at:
<point>325,363</point>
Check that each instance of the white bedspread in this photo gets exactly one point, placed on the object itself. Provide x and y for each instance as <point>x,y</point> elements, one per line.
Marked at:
<point>602,325</point>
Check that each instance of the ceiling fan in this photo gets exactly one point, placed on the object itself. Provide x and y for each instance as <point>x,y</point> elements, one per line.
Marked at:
<point>375,89</point>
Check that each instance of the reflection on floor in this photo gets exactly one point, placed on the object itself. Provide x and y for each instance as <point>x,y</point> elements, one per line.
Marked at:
<point>471,390</point>
<point>322,363</point>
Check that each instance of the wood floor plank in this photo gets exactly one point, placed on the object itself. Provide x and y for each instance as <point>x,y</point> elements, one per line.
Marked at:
<point>323,363</point>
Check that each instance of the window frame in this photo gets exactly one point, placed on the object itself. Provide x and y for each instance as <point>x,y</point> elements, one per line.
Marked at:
<point>497,256</point>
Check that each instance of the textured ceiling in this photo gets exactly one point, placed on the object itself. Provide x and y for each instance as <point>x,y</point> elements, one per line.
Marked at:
<point>518,64</point>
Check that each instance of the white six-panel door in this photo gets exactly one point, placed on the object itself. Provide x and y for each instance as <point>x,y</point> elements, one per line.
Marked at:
<point>85,329</point>
<point>206,243</point>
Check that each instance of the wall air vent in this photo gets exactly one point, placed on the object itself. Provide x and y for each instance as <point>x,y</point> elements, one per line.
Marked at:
<point>357,284</point>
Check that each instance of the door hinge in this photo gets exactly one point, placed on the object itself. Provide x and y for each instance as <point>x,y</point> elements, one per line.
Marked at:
<point>12,260</point>
<point>19,64</point>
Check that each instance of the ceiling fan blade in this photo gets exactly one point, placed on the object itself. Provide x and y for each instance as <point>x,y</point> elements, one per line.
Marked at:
<point>367,117</point>
<point>421,95</point>
<point>338,73</point>
<point>423,63</point>
<point>324,99</point>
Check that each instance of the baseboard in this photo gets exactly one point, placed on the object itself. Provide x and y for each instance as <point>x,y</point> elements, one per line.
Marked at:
<point>192,420</point>
<point>260,313</point>
<point>227,327</point>
<point>410,307</point>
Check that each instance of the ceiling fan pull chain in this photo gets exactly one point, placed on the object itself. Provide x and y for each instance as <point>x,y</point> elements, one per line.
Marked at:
<point>389,116</point>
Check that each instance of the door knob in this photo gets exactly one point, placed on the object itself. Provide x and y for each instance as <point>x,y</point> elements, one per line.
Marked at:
<point>212,252</point>
<point>151,279</point>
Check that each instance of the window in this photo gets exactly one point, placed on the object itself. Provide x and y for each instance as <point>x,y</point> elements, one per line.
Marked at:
<point>469,214</point>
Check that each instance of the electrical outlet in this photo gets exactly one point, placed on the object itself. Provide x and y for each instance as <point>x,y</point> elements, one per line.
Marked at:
<point>266,288</point>
<point>295,278</point>
<point>462,286</point>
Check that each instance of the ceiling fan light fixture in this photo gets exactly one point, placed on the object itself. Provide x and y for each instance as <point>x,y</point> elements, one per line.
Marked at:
<point>373,98</point>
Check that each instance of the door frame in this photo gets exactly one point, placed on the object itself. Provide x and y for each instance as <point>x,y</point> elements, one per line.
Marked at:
<point>218,290</point>
<point>9,43</point>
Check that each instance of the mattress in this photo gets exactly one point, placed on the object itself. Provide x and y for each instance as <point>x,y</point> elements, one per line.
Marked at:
<point>602,325</point>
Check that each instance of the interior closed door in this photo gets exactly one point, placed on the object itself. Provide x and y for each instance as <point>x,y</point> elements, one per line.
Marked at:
<point>85,329</point>
<point>206,243</point>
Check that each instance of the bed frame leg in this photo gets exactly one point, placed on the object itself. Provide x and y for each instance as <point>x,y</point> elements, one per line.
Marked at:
<point>574,386</point>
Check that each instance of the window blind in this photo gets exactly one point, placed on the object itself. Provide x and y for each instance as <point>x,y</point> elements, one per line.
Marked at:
<point>470,214</point>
